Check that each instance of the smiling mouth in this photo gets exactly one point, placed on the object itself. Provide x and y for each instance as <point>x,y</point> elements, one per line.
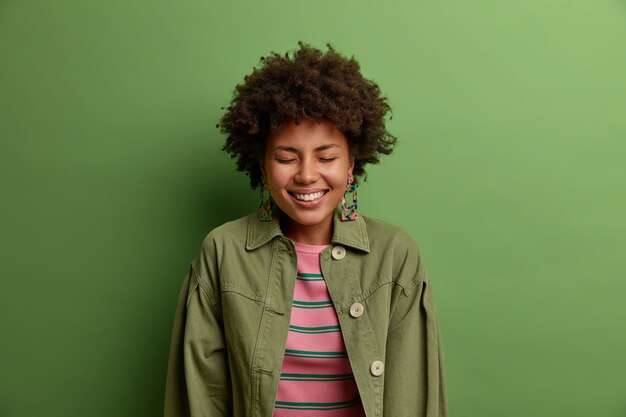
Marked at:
<point>308,197</point>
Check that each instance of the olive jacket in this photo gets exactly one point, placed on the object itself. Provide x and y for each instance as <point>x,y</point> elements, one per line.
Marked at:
<point>233,312</point>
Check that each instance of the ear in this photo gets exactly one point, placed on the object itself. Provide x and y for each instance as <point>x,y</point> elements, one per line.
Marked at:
<point>351,166</point>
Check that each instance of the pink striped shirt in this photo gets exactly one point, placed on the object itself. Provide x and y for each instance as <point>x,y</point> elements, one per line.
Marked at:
<point>316,377</point>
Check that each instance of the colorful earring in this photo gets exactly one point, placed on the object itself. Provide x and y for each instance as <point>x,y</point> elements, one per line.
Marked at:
<point>349,211</point>
<point>265,206</point>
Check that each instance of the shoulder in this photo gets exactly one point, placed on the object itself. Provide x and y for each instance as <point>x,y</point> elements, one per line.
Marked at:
<point>232,232</point>
<point>389,242</point>
<point>228,238</point>
<point>383,234</point>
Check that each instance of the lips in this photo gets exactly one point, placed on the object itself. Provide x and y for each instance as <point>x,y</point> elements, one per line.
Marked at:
<point>308,197</point>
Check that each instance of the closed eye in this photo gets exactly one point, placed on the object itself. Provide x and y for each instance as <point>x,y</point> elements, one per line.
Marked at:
<point>327,159</point>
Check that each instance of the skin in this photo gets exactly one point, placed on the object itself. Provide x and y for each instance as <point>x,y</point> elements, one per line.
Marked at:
<point>305,159</point>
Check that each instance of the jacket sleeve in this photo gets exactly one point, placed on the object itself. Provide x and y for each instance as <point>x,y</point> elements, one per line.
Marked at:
<point>198,382</point>
<point>415,384</point>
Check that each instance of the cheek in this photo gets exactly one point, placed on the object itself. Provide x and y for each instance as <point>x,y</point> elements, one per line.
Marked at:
<point>277,176</point>
<point>339,177</point>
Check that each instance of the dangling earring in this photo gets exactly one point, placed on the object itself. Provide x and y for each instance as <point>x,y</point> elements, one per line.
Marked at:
<point>265,206</point>
<point>349,211</point>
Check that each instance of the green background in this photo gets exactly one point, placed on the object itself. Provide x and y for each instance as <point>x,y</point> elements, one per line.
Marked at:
<point>509,173</point>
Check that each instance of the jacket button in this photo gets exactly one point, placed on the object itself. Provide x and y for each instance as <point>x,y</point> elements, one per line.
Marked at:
<point>377,368</point>
<point>356,310</point>
<point>339,252</point>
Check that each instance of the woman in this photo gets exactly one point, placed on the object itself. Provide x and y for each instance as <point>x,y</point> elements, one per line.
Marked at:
<point>307,307</point>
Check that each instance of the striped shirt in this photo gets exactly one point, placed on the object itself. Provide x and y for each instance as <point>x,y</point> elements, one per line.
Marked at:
<point>316,377</point>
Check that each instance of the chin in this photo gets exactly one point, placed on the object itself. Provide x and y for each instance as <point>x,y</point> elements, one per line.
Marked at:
<point>309,219</point>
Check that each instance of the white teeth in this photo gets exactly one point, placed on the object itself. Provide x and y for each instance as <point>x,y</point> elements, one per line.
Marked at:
<point>309,197</point>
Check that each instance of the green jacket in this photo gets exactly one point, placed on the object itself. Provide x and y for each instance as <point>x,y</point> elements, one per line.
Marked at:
<point>233,315</point>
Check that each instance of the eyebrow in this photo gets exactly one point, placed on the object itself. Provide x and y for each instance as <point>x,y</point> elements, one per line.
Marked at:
<point>295,150</point>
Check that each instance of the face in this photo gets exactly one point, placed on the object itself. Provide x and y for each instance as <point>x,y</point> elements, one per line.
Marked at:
<point>307,167</point>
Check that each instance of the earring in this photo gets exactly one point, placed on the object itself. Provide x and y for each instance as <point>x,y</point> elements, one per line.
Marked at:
<point>349,211</point>
<point>265,206</point>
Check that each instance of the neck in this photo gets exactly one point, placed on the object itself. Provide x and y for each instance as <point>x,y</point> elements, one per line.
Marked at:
<point>318,234</point>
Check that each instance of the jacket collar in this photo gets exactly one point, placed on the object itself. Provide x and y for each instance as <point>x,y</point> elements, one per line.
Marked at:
<point>349,233</point>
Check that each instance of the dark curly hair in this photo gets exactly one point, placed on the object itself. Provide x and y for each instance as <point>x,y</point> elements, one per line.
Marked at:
<point>309,84</point>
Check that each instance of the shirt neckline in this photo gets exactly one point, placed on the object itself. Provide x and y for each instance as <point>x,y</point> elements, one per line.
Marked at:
<point>306,248</point>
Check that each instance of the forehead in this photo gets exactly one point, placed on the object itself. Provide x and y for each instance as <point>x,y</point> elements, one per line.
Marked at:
<point>307,135</point>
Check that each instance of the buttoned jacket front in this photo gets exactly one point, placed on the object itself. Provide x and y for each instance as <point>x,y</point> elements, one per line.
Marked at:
<point>232,321</point>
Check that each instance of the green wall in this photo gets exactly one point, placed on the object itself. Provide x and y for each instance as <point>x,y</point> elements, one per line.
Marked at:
<point>509,173</point>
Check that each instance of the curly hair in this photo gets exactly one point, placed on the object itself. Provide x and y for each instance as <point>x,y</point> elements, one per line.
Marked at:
<point>308,84</point>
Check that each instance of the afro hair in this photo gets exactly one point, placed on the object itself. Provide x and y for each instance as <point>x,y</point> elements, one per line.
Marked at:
<point>310,84</point>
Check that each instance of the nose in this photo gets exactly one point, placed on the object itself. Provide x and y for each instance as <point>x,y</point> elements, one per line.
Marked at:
<point>307,172</point>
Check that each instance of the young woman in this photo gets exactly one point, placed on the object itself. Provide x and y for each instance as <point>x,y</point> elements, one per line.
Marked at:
<point>306,307</point>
